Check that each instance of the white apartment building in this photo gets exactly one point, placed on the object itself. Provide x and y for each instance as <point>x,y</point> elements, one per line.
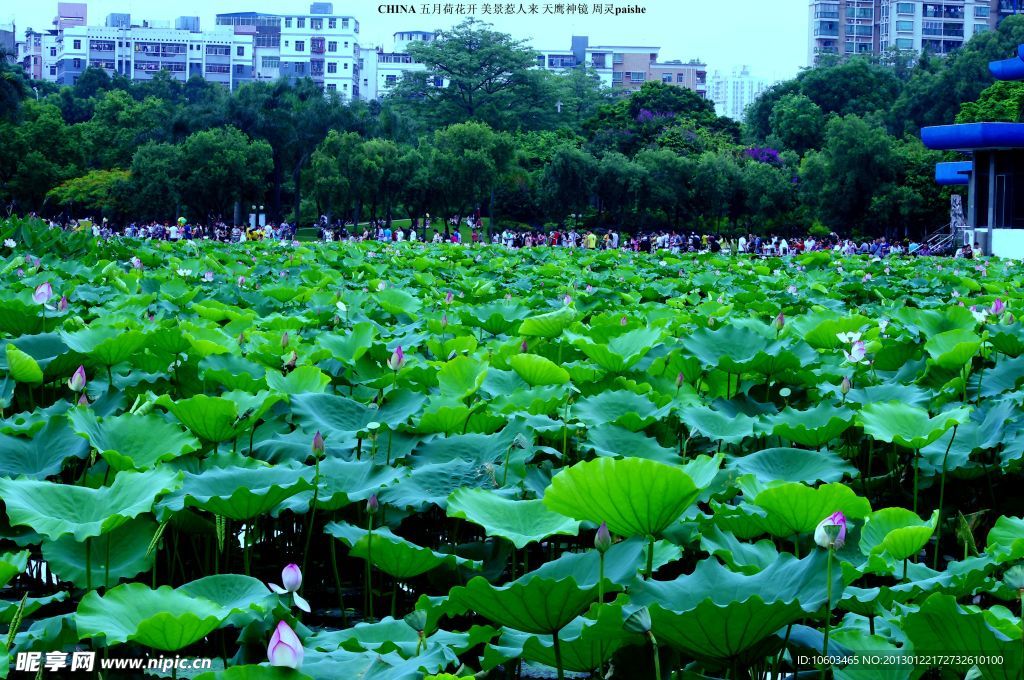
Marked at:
<point>733,92</point>
<point>938,27</point>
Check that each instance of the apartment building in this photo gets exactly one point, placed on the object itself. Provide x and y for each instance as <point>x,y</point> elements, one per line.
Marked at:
<point>860,27</point>
<point>734,91</point>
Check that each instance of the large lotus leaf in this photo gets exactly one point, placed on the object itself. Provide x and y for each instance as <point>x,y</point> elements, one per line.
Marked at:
<point>715,613</point>
<point>862,642</point>
<point>622,563</point>
<point>461,377</point>
<point>240,493</point>
<point>794,508</point>
<point>12,564</point>
<point>813,427</point>
<point>619,407</point>
<point>343,482</point>
<point>614,441</point>
<point>521,522</point>
<point>130,441</point>
<point>164,618</point>
<point>393,554</point>
<point>433,484</point>
<point>635,497</point>
<point>32,604</point>
<point>793,465</point>
<point>821,328</point>
<point>44,454</point>
<point>300,381</point>
<point>549,324</point>
<point>941,627</point>
<point>22,367</point>
<point>232,592</point>
<point>396,301</point>
<point>586,643</point>
<point>952,349</point>
<point>621,352</point>
<point>233,372</point>
<point>716,425</point>
<point>117,554</point>
<point>932,322</point>
<point>212,419</point>
<point>731,348</point>
<point>331,413</point>
<point>896,532</point>
<point>747,558</point>
<point>350,348</point>
<point>105,346</point>
<point>1008,340</point>
<point>56,510</point>
<point>1006,539</point>
<point>907,425</point>
<point>537,370</point>
<point>536,605</point>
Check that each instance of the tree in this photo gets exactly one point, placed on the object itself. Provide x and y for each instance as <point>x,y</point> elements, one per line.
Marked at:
<point>487,76</point>
<point>155,180</point>
<point>337,168</point>
<point>568,181</point>
<point>103,191</point>
<point>769,194</point>
<point>797,123</point>
<point>854,86</point>
<point>580,94</point>
<point>466,162</point>
<point>716,186</point>
<point>1002,101</point>
<point>91,82</point>
<point>120,124</point>
<point>671,183</point>
<point>222,167</point>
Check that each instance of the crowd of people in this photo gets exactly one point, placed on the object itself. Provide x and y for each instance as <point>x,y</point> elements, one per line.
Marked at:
<point>454,231</point>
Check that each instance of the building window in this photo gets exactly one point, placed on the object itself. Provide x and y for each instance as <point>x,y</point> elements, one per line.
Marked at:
<point>346,44</point>
<point>438,81</point>
<point>638,76</point>
<point>666,77</point>
<point>617,77</point>
<point>53,70</point>
<point>617,58</point>
<point>332,67</point>
<point>78,44</point>
<point>904,44</point>
<point>218,51</point>
<point>680,77</point>
<point>300,45</point>
<point>389,81</point>
<point>905,7</point>
<point>300,22</point>
<point>904,25</point>
<point>346,65</point>
<point>981,12</point>
<point>332,46</point>
<point>980,28</point>
<point>53,51</point>
<point>316,24</point>
<point>332,23</point>
<point>331,87</point>
<point>344,23</point>
<point>300,68</point>
<point>78,63</point>
<point>240,51</point>
<point>271,62</point>
<point>287,22</point>
<point>239,69</point>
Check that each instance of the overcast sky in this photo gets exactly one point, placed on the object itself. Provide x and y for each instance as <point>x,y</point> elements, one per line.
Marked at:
<point>768,35</point>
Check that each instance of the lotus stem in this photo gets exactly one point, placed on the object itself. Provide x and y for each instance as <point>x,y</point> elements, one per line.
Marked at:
<point>369,567</point>
<point>942,498</point>
<point>312,513</point>
<point>394,597</point>
<point>337,583</point>
<point>558,656</point>
<point>828,605</point>
<point>600,578</point>
<point>654,652</point>
<point>776,673</point>
<point>917,465</point>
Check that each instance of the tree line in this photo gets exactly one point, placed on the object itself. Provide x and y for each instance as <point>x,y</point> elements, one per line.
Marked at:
<point>835,148</point>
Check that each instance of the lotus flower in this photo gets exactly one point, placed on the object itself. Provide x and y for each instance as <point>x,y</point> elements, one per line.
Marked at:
<point>623,321</point>
<point>77,380</point>
<point>241,281</point>
<point>998,307</point>
<point>448,297</point>
<point>780,321</point>
<point>524,347</point>
<point>397,359</point>
<point>857,352</point>
<point>62,306</point>
<point>291,578</point>
<point>284,340</point>
<point>792,290</point>
<point>208,276</point>
<point>567,300</point>
<point>318,443</point>
<point>979,314</point>
<point>679,380</point>
<point>83,400</point>
<point>603,538</point>
<point>867,277</point>
<point>372,504</point>
<point>285,648</point>
<point>136,263</point>
<point>9,243</point>
<point>831,531</point>
<point>43,293</point>
<point>846,385</point>
<point>381,285</point>
<point>444,320</point>
<point>848,338</point>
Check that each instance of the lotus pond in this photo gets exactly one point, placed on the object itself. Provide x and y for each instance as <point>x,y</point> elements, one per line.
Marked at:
<point>510,464</point>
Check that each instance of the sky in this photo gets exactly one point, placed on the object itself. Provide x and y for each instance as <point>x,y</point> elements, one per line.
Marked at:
<point>769,36</point>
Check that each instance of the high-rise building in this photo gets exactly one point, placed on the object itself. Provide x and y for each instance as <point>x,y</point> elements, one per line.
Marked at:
<point>381,70</point>
<point>733,92</point>
<point>847,28</point>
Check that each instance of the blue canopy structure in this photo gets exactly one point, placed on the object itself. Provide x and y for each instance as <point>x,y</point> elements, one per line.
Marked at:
<point>953,173</point>
<point>972,136</point>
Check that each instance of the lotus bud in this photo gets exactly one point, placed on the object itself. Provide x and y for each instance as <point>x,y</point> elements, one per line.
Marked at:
<point>83,400</point>
<point>291,578</point>
<point>679,380</point>
<point>711,322</point>
<point>241,281</point>
<point>845,386</point>
<point>524,348</point>
<point>136,263</point>
<point>318,443</point>
<point>77,380</point>
<point>444,320</point>
<point>241,338</point>
<point>998,307</point>
<point>1009,319</point>
<point>285,648</point>
<point>567,300</point>
<point>780,321</point>
<point>397,359</point>
<point>831,531</point>
<point>448,297</point>
<point>372,505</point>
<point>623,321</point>
<point>603,538</point>
<point>43,293</point>
<point>284,340</point>
<point>62,306</point>
<point>792,290</point>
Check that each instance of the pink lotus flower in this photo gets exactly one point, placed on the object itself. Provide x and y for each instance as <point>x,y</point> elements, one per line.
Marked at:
<point>780,321</point>
<point>43,293</point>
<point>867,277</point>
<point>208,276</point>
<point>318,443</point>
<point>603,538</point>
<point>524,348</point>
<point>444,320</point>
<point>136,263</point>
<point>285,648</point>
<point>567,300</point>
<point>448,297</point>
<point>372,505</point>
<point>291,578</point>
<point>998,307</point>
<point>397,359</point>
<point>77,380</point>
<point>623,321</point>
<point>792,290</point>
<point>62,306</point>
<point>241,281</point>
<point>858,350</point>
<point>83,400</point>
<point>827,535</point>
